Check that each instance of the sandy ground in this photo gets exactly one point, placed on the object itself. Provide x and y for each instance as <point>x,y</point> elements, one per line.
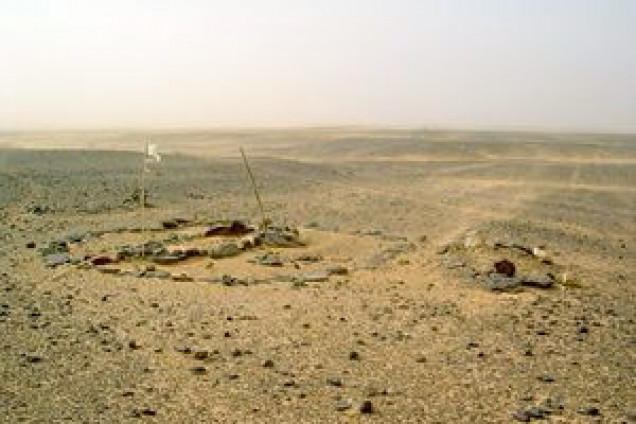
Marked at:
<point>411,331</point>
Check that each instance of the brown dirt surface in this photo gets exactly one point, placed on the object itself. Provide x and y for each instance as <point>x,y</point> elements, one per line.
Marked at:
<point>413,327</point>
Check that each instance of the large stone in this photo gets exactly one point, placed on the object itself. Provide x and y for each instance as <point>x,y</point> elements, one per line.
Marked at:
<point>314,277</point>
<point>76,236</point>
<point>280,237</point>
<point>499,282</point>
<point>55,246</point>
<point>224,250</point>
<point>56,259</point>
<point>160,274</point>
<point>268,259</point>
<point>538,279</point>
<point>167,259</point>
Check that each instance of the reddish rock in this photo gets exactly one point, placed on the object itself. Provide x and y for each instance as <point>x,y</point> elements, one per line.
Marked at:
<point>505,267</point>
<point>102,260</point>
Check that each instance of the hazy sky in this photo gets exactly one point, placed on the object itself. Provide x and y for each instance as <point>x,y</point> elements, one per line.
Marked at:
<point>565,64</point>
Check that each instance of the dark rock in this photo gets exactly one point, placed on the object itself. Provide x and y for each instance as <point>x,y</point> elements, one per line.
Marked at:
<point>528,414</point>
<point>183,278</point>
<point>334,381</point>
<point>101,260</point>
<point>354,356</point>
<point>30,245</point>
<point>337,270</point>
<point>505,267</point>
<point>229,280</point>
<point>33,358</point>
<point>234,228</point>
<point>309,258</point>
<point>201,355</point>
<point>592,411</point>
<point>37,209</point>
<point>366,407</point>
<point>171,224</point>
<point>546,378</point>
<point>134,345</point>
<point>199,370</point>
<point>268,363</point>
<point>192,252</point>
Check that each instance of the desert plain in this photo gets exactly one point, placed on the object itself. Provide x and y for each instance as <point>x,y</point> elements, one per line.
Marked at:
<point>435,276</point>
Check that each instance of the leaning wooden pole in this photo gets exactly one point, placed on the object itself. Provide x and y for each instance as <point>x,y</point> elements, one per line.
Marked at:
<point>264,220</point>
<point>142,197</point>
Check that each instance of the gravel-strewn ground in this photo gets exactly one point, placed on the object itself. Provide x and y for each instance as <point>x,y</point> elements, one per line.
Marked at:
<point>417,334</point>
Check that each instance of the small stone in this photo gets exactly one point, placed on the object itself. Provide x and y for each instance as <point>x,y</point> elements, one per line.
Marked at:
<point>167,259</point>
<point>337,270</point>
<point>334,381</point>
<point>366,407</point>
<point>108,269</point>
<point>170,224</point>
<point>268,363</point>
<point>30,245</point>
<point>134,345</point>
<point>472,241</point>
<point>101,260</point>
<point>199,370</point>
<point>592,411</point>
<point>343,405</point>
<point>201,355</point>
<point>160,274</point>
<point>354,356</point>
<point>182,277</point>
<point>269,259</point>
<point>139,412</point>
<point>33,358</point>
<point>546,378</point>
<point>314,277</point>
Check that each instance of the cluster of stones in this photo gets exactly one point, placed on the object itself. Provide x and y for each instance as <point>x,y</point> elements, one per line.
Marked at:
<point>157,253</point>
<point>504,275</point>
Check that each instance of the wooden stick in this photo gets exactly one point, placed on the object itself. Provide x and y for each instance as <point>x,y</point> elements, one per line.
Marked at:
<point>142,198</point>
<point>264,221</point>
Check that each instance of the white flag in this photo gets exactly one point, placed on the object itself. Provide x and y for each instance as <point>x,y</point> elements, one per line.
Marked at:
<point>151,153</point>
